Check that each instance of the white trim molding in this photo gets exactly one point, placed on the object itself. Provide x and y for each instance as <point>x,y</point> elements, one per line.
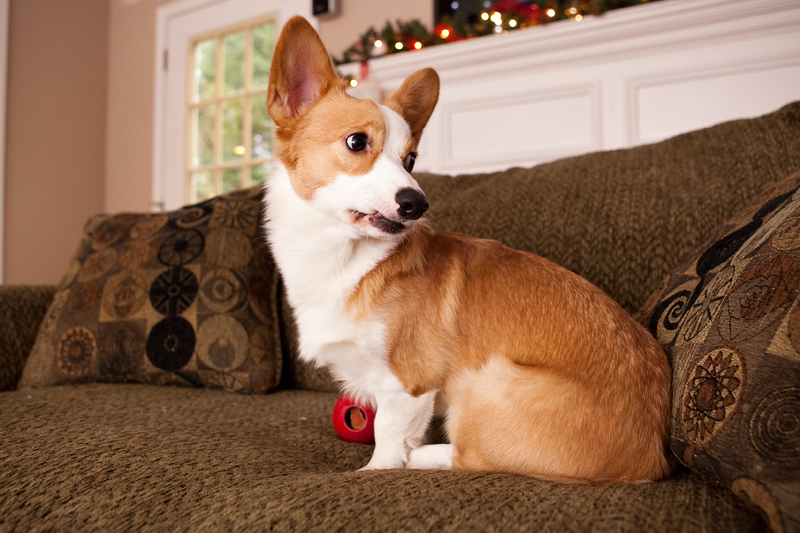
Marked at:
<point>476,133</point>
<point>631,76</point>
<point>177,25</point>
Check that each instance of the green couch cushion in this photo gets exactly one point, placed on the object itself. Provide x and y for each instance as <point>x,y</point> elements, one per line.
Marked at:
<point>728,318</point>
<point>101,457</point>
<point>21,311</point>
<point>187,297</point>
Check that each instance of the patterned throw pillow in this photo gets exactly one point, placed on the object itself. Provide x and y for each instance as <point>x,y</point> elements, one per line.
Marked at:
<point>729,319</point>
<point>187,297</point>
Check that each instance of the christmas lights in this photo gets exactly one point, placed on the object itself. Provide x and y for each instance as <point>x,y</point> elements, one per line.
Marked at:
<point>497,17</point>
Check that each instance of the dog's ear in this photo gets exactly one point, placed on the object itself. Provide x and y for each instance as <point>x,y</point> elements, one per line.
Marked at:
<point>415,99</point>
<point>301,72</point>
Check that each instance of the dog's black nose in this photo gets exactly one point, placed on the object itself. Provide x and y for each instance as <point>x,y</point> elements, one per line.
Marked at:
<point>412,203</point>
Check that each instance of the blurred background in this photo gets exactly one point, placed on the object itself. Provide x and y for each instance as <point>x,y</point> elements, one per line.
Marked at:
<point>140,105</point>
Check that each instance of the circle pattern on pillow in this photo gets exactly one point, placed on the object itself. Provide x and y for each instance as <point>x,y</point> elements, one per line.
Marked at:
<point>728,317</point>
<point>775,427</point>
<point>173,291</point>
<point>75,352</point>
<point>170,344</point>
<point>167,299</point>
<point>711,393</point>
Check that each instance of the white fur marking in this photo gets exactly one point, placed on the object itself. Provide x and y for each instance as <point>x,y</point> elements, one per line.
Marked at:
<point>323,254</point>
<point>431,457</point>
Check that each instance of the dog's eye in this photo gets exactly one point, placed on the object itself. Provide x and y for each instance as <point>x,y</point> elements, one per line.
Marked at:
<point>357,142</point>
<point>408,162</point>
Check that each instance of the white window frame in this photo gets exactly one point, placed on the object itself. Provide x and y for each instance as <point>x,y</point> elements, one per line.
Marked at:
<point>178,25</point>
<point>247,95</point>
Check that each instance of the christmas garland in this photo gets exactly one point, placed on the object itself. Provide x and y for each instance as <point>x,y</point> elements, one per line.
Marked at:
<point>502,16</point>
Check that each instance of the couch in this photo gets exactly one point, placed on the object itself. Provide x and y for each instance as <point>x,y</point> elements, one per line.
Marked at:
<point>99,444</point>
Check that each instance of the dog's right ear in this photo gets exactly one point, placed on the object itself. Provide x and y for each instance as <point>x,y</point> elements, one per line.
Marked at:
<point>415,100</point>
<point>301,72</point>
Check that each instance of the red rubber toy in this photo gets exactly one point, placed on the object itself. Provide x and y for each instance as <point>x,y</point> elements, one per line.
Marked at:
<point>354,422</point>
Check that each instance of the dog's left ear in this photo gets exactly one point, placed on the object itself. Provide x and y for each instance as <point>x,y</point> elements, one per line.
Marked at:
<point>301,72</point>
<point>415,100</point>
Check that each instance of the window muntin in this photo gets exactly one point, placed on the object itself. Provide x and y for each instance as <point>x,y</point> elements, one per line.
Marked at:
<point>230,132</point>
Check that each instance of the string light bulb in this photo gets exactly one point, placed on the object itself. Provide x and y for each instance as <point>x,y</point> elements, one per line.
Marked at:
<point>551,12</point>
<point>512,23</point>
<point>417,45</point>
<point>398,46</point>
<point>354,83</point>
<point>378,43</point>
<point>445,33</point>
<point>484,16</point>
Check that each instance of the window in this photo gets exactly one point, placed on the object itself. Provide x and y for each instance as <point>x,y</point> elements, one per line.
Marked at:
<point>179,26</point>
<point>230,132</point>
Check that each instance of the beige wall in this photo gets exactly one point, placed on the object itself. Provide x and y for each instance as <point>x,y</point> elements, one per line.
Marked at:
<point>55,132</point>
<point>80,116</point>
<point>356,17</point>
<point>132,78</point>
<point>131,81</point>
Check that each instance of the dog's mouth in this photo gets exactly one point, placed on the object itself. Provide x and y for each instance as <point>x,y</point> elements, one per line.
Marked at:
<point>386,225</point>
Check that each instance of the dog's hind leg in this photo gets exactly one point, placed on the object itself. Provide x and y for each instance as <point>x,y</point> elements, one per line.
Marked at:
<point>431,457</point>
<point>505,417</point>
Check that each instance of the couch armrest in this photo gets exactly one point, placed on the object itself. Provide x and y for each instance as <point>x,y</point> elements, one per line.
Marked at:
<point>22,309</point>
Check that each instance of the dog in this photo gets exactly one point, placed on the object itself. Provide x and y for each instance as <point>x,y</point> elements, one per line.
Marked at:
<point>536,371</point>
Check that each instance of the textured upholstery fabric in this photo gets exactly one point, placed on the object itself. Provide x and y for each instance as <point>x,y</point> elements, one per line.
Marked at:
<point>21,311</point>
<point>187,297</point>
<point>140,457</point>
<point>729,320</point>
<point>102,457</point>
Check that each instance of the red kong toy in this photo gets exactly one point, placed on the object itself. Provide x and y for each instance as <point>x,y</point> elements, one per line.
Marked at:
<point>354,422</point>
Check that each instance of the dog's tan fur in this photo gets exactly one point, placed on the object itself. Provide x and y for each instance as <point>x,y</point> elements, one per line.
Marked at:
<point>544,374</point>
<point>534,360</point>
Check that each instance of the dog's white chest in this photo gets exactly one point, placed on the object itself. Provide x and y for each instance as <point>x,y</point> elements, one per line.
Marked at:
<point>321,265</point>
<point>320,325</point>
<point>354,352</point>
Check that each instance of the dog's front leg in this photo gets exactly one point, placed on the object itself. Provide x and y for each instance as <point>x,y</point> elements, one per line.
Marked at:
<point>400,424</point>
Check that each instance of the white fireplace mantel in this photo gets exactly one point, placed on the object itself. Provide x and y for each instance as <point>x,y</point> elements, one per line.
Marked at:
<point>629,77</point>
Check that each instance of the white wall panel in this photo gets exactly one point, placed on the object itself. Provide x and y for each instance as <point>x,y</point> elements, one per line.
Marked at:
<point>632,76</point>
<point>685,102</point>
<point>560,122</point>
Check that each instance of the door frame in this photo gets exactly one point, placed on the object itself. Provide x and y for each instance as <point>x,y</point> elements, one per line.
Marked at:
<point>177,25</point>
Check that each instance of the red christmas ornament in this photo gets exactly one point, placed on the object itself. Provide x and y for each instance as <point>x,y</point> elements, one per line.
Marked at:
<point>354,422</point>
<point>529,12</point>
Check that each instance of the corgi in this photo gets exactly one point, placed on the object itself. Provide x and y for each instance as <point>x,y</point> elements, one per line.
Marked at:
<point>535,370</point>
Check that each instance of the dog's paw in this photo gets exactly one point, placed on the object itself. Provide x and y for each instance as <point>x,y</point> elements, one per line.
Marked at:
<point>384,463</point>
